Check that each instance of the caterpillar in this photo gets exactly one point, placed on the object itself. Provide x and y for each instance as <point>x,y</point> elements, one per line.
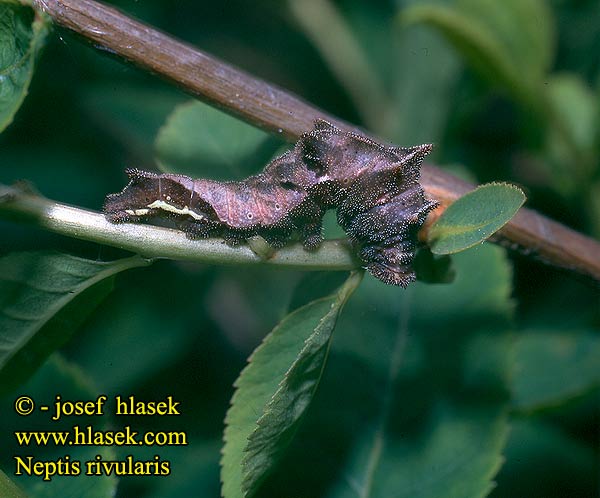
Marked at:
<point>375,189</point>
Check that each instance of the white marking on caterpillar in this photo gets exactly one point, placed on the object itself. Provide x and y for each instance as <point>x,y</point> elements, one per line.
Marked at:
<point>172,209</point>
<point>137,212</point>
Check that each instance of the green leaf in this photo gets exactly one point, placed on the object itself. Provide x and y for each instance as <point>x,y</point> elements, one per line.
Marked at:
<point>595,208</point>
<point>422,95</point>
<point>201,141</point>
<point>313,285</point>
<point>8,489</point>
<point>131,113</point>
<point>275,389</point>
<point>460,452</point>
<point>577,107</point>
<point>571,141</point>
<point>327,29</point>
<point>56,377</point>
<point>22,35</point>
<point>555,366</point>
<point>474,217</point>
<point>418,69</point>
<point>498,39</point>
<point>543,462</point>
<point>44,297</point>
<point>414,401</point>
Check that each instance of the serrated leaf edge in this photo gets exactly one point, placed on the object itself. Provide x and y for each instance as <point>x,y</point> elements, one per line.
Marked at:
<point>342,296</point>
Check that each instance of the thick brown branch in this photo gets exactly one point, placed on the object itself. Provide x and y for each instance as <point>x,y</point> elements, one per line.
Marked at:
<point>272,108</point>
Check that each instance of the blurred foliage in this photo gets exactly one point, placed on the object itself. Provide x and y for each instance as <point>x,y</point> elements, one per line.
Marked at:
<point>427,391</point>
<point>202,142</point>
<point>73,384</point>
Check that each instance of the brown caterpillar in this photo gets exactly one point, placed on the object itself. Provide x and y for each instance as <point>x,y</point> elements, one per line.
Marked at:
<point>380,203</point>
